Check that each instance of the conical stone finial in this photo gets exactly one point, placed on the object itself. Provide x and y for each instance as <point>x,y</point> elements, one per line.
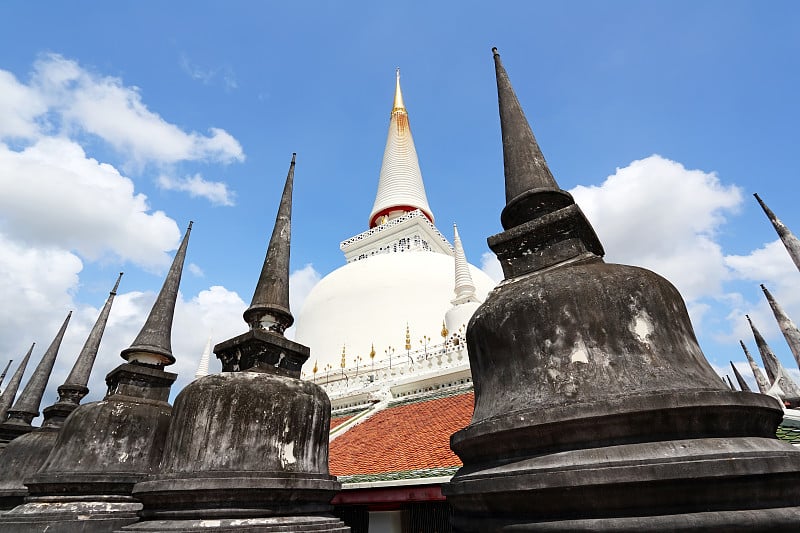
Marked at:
<point>5,371</point>
<point>523,161</point>
<point>539,217</point>
<point>464,287</point>
<point>761,380</point>
<point>788,238</point>
<point>269,309</point>
<point>74,387</point>
<point>789,330</point>
<point>729,382</point>
<point>153,345</point>
<point>775,371</point>
<point>7,397</point>
<point>767,356</point>
<point>739,379</point>
<point>202,368</point>
<point>26,408</point>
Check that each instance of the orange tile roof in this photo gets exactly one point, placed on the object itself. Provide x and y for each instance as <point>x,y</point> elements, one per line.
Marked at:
<point>413,436</point>
<point>335,422</point>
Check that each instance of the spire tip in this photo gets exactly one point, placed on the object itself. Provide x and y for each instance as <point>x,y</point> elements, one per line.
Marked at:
<point>494,51</point>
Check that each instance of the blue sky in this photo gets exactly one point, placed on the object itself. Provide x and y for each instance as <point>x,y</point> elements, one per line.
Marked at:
<point>198,106</point>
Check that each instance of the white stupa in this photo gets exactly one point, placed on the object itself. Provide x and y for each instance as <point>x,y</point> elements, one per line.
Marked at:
<point>403,288</point>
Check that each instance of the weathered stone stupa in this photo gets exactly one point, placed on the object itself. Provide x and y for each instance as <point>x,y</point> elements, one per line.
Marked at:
<point>595,409</point>
<point>25,455</point>
<point>781,383</point>
<point>105,447</point>
<point>248,448</point>
<point>26,408</point>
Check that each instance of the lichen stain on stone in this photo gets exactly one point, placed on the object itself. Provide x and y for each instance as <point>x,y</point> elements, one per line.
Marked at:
<point>579,353</point>
<point>287,457</point>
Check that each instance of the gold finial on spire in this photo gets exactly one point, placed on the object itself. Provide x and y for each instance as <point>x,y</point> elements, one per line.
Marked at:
<point>444,330</point>
<point>408,338</point>
<point>372,351</point>
<point>398,95</point>
<point>315,369</point>
<point>344,358</point>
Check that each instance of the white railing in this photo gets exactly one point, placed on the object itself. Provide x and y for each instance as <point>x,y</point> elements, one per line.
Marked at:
<point>401,364</point>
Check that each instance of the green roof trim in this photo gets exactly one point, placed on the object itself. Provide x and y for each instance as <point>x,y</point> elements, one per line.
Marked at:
<point>405,474</point>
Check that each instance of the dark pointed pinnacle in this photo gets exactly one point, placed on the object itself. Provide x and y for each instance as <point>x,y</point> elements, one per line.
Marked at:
<point>26,407</point>
<point>729,383</point>
<point>767,356</point>
<point>270,306</point>
<point>153,345</point>
<point>788,328</point>
<point>761,381</point>
<point>7,397</point>
<point>5,371</point>
<point>739,379</point>
<point>790,242</point>
<point>74,387</point>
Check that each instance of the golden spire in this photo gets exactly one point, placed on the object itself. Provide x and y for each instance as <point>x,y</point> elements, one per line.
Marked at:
<point>398,96</point>
<point>344,358</point>
<point>372,351</point>
<point>444,330</point>
<point>408,338</point>
<point>315,369</point>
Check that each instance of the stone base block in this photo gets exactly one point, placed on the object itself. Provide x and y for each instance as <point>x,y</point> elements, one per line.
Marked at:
<point>71,517</point>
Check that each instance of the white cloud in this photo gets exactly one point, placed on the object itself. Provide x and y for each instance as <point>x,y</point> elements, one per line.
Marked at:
<point>491,266</point>
<point>103,106</point>
<point>657,214</point>
<point>51,194</point>
<point>215,191</point>
<point>196,270</point>
<point>19,107</point>
<point>300,284</point>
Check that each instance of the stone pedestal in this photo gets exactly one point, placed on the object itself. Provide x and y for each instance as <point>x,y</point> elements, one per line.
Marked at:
<point>103,449</point>
<point>246,449</point>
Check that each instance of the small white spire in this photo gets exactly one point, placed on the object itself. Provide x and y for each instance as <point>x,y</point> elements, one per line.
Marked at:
<point>202,368</point>
<point>465,287</point>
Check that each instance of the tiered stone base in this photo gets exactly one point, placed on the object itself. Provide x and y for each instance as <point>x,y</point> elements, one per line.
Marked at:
<point>100,516</point>
<point>724,484</point>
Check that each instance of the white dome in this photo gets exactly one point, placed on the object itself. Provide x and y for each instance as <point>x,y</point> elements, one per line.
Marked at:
<point>370,301</point>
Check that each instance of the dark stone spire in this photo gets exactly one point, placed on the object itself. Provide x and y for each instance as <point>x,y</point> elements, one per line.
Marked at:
<point>153,345</point>
<point>739,379</point>
<point>729,382</point>
<point>789,330</point>
<point>5,371</point>
<point>587,375</point>
<point>269,308</point>
<point>25,455</point>
<point>537,211</point>
<point>524,164</point>
<point>268,315</point>
<point>7,397</point>
<point>105,447</point>
<point>761,380</point>
<point>791,242</point>
<point>74,387</point>
<point>26,408</point>
<point>272,426</point>
<point>775,371</point>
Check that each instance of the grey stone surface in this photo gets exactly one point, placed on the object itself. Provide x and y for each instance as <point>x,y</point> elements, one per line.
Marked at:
<point>789,240</point>
<point>595,408</point>
<point>788,328</point>
<point>26,408</point>
<point>7,397</point>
